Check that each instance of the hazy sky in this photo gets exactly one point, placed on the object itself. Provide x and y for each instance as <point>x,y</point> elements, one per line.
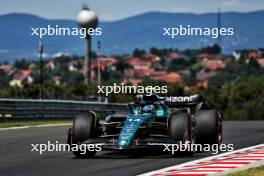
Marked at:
<point>109,10</point>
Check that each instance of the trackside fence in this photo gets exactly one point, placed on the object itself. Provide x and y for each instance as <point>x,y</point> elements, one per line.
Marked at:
<point>26,110</point>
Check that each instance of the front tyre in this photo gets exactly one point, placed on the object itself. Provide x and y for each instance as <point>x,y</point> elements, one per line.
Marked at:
<point>84,127</point>
<point>181,130</point>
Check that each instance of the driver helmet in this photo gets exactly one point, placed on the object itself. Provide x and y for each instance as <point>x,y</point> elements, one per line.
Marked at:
<point>148,109</point>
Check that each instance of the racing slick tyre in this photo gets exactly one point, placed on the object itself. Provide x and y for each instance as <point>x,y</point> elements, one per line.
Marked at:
<point>180,130</point>
<point>84,127</point>
<point>209,127</point>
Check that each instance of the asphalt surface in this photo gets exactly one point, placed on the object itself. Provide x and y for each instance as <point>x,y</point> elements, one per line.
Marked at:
<point>16,157</point>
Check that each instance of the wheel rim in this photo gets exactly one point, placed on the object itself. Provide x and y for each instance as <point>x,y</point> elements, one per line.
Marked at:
<point>219,132</point>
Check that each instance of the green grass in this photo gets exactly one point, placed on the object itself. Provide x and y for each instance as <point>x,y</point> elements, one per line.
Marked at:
<point>33,123</point>
<point>258,171</point>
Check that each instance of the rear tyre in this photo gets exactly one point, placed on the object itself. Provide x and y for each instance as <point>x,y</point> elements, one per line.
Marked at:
<point>180,130</point>
<point>209,127</point>
<point>84,127</point>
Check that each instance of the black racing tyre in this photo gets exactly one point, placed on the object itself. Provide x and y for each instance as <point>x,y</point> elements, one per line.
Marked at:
<point>179,127</point>
<point>84,127</point>
<point>208,127</point>
<point>180,130</point>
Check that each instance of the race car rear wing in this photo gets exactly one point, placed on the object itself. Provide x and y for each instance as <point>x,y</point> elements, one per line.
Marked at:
<point>170,101</point>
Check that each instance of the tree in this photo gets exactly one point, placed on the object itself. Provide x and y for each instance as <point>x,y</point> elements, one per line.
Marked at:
<point>138,52</point>
<point>154,51</point>
<point>121,66</point>
<point>4,80</point>
<point>22,64</point>
<point>214,49</point>
<point>239,100</point>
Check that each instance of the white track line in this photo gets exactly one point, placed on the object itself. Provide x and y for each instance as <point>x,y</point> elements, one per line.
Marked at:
<point>13,128</point>
<point>193,173</point>
<point>202,160</point>
<point>34,126</point>
<point>223,169</point>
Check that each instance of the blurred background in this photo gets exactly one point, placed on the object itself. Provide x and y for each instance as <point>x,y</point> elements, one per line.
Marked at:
<point>227,70</point>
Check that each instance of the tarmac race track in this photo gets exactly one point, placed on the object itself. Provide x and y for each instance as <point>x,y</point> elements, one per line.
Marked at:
<point>16,157</point>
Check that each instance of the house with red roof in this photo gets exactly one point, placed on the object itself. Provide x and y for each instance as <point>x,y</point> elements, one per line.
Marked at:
<point>214,64</point>
<point>172,55</point>
<point>253,54</point>
<point>108,62</point>
<point>140,68</point>
<point>261,61</point>
<point>138,63</point>
<point>7,69</point>
<point>151,57</point>
<point>143,72</point>
<point>21,77</point>
<point>50,65</point>
<point>196,88</point>
<point>207,56</point>
<point>170,78</point>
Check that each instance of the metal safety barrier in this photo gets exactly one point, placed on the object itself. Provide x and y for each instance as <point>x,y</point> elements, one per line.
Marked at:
<point>22,110</point>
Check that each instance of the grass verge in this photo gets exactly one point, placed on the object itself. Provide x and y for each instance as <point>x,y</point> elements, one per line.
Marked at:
<point>258,171</point>
<point>33,123</point>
